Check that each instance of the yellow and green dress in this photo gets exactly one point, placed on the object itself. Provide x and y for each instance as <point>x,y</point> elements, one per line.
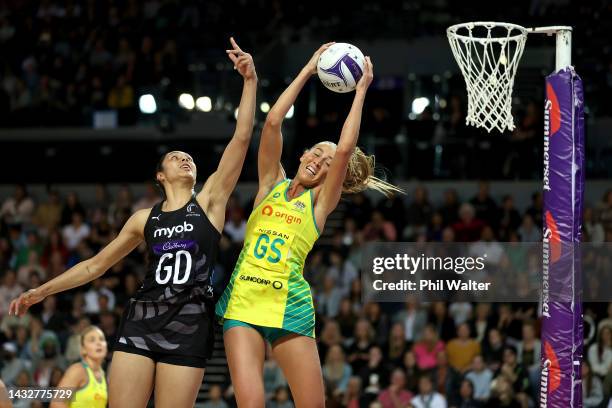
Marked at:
<point>267,289</point>
<point>94,394</point>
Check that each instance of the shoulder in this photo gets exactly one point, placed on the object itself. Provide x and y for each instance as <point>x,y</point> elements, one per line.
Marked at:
<point>75,375</point>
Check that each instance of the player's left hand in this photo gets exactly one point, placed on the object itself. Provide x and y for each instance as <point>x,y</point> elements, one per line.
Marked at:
<point>243,61</point>
<point>367,77</point>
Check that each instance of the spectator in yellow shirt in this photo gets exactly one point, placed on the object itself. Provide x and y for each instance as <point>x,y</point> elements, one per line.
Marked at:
<point>462,349</point>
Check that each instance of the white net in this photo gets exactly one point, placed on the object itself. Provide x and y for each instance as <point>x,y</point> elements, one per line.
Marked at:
<point>488,54</point>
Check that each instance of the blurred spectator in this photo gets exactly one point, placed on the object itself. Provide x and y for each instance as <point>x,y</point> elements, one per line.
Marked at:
<point>92,302</point>
<point>509,218</point>
<point>515,373</point>
<point>396,345</point>
<point>482,321</point>
<point>442,322</point>
<point>466,396</point>
<point>272,375</point>
<point>528,231</point>
<point>330,336</point>
<point>460,312</point>
<point>215,399</point>
<point>592,227</point>
<point>12,365</point>
<point>329,298</point>
<point>503,395</point>
<point>446,379</point>
<point>343,271</point>
<point>600,352</point>
<point>462,349</point>
<point>529,351</point>
<point>358,351</point>
<point>468,228</point>
<point>375,365</point>
<point>427,349</point>
<point>19,208</point>
<point>51,318</point>
<point>413,372</point>
<point>149,199</point>
<point>450,207</point>
<point>379,321</point>
<point>396,395</point>
<point>484,206</point>
<point>412,320</point>
<point>346,318</point>
<point>352,397</point>
<point>536,209</point>
<point>427,397</point>
<point>481,378</point>
<point>592,390</point>
<point>605,211</point>
<point>418,213</point>
<point>379,229</point>
<point>493,349</point>
<point>336,370</point>
<point>281,399</point>
<point>75,232</point>
<point>235,226</point>
<point>48,214</point>
<point>71,206</point>
<point>9,290</point>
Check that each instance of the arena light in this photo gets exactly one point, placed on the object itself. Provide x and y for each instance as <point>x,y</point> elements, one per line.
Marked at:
<point>289,114</point>
<point>419,105</point>
<point>264,107</point>
<point>147,104</point>
<point>186,101</point>
<point>204,104</point>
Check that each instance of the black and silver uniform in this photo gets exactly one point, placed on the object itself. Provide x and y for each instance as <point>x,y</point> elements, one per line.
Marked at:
<point>173,311</point>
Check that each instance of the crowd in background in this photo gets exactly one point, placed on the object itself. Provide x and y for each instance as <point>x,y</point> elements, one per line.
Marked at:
<point>387,355</point>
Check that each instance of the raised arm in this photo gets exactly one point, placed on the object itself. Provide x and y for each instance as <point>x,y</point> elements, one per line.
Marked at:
<point>221,183</point>
<point>129,238</point>
<point>332,186</point>
<point>271,143</point>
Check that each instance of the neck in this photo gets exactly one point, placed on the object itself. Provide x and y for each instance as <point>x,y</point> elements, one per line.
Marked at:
<point>295,189</point>
<point>95,365</point>
<point>177,196</point>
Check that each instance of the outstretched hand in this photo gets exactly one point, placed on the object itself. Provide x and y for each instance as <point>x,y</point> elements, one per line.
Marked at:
<point>311,66</point>
<point>367,77</point>
<point>243,61</point>
<point>21,305</point>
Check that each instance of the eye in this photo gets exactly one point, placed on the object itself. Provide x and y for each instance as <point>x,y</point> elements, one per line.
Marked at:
<point>317,154</point>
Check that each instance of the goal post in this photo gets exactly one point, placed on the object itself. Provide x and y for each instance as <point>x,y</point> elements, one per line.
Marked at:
<point>488,54</point>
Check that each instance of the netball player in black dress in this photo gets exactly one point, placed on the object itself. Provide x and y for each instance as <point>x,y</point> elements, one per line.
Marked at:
<point>166,333</point>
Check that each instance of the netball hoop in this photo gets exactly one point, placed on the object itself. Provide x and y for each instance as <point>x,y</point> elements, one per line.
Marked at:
<point>488,54</point>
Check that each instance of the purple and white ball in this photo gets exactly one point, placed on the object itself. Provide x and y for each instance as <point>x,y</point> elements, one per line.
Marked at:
<point>340,67</point>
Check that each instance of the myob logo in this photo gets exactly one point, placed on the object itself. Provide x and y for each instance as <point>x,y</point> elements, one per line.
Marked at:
<point>170,231</point>
<point>288,218</point>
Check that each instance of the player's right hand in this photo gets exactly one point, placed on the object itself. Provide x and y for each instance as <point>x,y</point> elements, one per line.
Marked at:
<point>367,77</point>
<point>311,66</point>
<point>21,305</point>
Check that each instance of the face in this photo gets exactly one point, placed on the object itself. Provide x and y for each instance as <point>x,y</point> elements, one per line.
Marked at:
<point>314,164</point>
<point>425,385</point>
<point>177,166</point>
<point>466,390</point>
<point>94,345</point>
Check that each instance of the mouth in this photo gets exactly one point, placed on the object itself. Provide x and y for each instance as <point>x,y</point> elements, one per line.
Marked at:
<point>311,170</point>
<point>186,167</point>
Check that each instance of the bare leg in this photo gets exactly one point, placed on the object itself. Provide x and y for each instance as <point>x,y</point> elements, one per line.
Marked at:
<point>246,351</point>
<point>177,386</point>
<point>299,359</point>
<point>130,380</point>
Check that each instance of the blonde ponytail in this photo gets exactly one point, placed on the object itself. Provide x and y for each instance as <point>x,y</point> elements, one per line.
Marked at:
<point>360,176</point>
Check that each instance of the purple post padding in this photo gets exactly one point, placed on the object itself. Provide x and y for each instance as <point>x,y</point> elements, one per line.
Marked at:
<point>562,326</point>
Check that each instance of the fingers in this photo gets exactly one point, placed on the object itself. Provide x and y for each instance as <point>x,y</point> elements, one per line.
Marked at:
<point>12,307</point>
<point>234,44</point>
<point>232,57</point>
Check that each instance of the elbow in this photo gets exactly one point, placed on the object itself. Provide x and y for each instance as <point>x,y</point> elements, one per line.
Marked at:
<point>274,120</point>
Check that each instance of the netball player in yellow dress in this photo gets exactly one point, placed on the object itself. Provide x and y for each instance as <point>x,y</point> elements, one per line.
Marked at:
<point>87,377</point>
<point>267,297</point>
